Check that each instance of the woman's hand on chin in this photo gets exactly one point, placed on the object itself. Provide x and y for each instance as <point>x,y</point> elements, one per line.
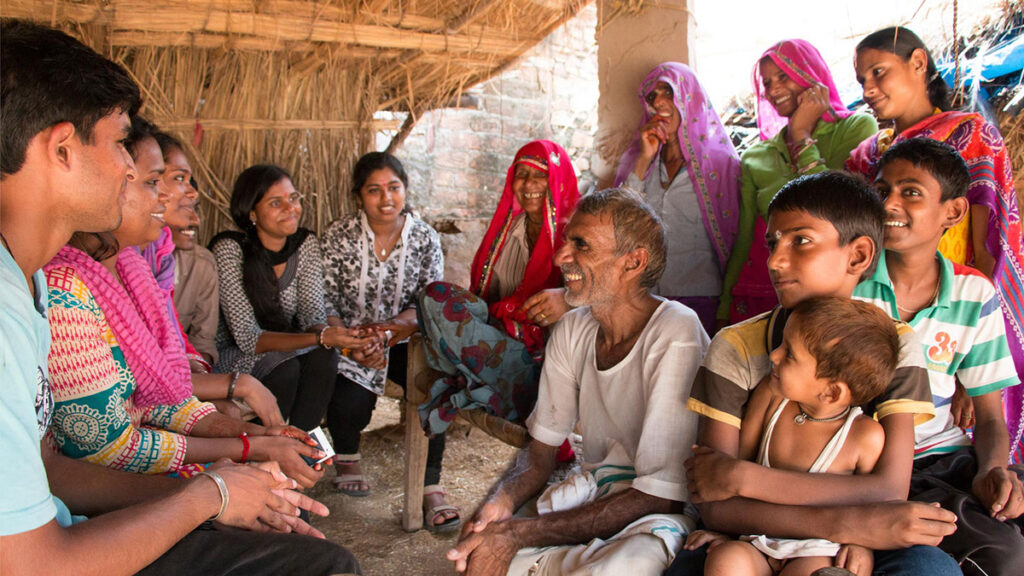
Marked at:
<point>812,103</point>
<point>652,136</point>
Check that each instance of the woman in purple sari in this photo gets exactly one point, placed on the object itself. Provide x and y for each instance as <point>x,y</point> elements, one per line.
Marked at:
<point>686,168</point>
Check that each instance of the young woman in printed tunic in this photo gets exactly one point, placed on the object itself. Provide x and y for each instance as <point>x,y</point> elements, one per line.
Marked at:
<point>376,262</point>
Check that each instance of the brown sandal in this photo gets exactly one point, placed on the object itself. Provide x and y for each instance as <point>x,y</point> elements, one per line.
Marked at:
<point>350,478</point>
<point>431,514</point>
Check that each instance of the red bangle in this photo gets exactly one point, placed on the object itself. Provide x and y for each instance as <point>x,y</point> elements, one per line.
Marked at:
<point>245,447</point>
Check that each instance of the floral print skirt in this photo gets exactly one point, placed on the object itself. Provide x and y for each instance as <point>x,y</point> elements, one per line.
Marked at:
<point>484,366</point>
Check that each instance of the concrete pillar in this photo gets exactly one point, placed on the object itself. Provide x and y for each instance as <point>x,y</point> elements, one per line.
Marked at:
<point>628,47</point>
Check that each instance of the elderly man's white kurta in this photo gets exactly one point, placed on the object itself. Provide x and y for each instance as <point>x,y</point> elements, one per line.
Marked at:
<point>633,416</point>
<point>635,425</point>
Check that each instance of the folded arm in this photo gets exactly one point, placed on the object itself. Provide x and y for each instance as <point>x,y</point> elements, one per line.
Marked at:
<point>879,526</point>
<point>491,551</point>
<point>125,541</point>
<point>602,518</point>
<point>121,542</point>
<point>890,479</point>
<point>490,542</point>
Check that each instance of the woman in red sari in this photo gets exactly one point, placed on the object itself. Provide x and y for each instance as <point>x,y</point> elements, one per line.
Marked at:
<point>490,339</point>
<point>901,85</point>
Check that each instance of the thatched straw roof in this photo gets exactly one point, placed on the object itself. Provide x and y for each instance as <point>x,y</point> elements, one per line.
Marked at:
<point>293,82</point>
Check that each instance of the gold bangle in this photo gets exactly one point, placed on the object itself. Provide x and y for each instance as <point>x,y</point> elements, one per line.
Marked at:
<point>346,352</point>
<point>811,166</point>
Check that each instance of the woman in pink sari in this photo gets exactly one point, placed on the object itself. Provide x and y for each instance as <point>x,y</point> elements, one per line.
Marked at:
<point>490,339</point>
<point>699,204</point>
<point>902,86</point>
<point>805,129</point>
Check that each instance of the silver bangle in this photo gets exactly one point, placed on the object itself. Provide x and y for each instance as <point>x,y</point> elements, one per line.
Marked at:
<point>231,387</point>
<point>320,338</point>
<point>222,488</point>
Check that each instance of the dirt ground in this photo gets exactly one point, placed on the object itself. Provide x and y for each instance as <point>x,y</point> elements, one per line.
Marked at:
<point>370,527</point>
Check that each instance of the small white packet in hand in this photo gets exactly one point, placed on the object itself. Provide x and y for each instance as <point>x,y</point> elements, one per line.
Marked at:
<point>318,435</point>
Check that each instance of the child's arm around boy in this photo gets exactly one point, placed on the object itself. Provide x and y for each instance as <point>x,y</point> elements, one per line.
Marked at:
<point>805,418</point>
<point>823,232</point>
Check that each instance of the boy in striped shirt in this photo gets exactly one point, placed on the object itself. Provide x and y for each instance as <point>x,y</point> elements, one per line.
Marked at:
<point>956,314</point>
<point>824,236</point>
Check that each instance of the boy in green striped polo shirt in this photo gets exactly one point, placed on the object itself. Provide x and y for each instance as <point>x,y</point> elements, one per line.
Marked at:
<point>956,314</point>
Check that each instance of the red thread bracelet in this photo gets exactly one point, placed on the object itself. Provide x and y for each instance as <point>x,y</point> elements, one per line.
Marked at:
<point>245,447</point>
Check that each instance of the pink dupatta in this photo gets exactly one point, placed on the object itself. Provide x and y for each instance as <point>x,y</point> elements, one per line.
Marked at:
<point>802,62</point>
<point>136,311</point>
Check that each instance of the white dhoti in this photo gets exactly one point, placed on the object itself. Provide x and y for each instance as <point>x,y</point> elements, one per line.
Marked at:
<point>647,546</point>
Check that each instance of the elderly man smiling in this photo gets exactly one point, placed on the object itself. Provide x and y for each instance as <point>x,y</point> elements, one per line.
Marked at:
<point>619,366</point>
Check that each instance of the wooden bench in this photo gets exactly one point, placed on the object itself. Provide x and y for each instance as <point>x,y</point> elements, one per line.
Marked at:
<point>420,378</point>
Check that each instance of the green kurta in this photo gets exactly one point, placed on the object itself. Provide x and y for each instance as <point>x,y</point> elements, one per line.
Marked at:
<point>766,167</point>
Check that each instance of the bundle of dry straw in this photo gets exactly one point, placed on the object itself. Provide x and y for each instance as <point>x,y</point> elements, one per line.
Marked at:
<point>297,82</point>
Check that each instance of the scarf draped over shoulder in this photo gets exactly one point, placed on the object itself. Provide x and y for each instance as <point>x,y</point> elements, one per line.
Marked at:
<point>541,272</point>
<point>992,186</point>
<point>136,311</point>
<point>259,280</point>
<point>711,161</point>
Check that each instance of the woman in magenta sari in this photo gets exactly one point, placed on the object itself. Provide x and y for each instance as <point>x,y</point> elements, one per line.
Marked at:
<point>490,339</point>
<point>902,86</point>
<point>698,205</point>
<point>805,128</point>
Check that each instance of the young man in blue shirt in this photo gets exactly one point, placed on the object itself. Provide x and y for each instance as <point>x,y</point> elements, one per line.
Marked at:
<point>63,169</point>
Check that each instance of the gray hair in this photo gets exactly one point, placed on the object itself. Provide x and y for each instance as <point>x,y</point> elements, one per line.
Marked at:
<point>635,225</point>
